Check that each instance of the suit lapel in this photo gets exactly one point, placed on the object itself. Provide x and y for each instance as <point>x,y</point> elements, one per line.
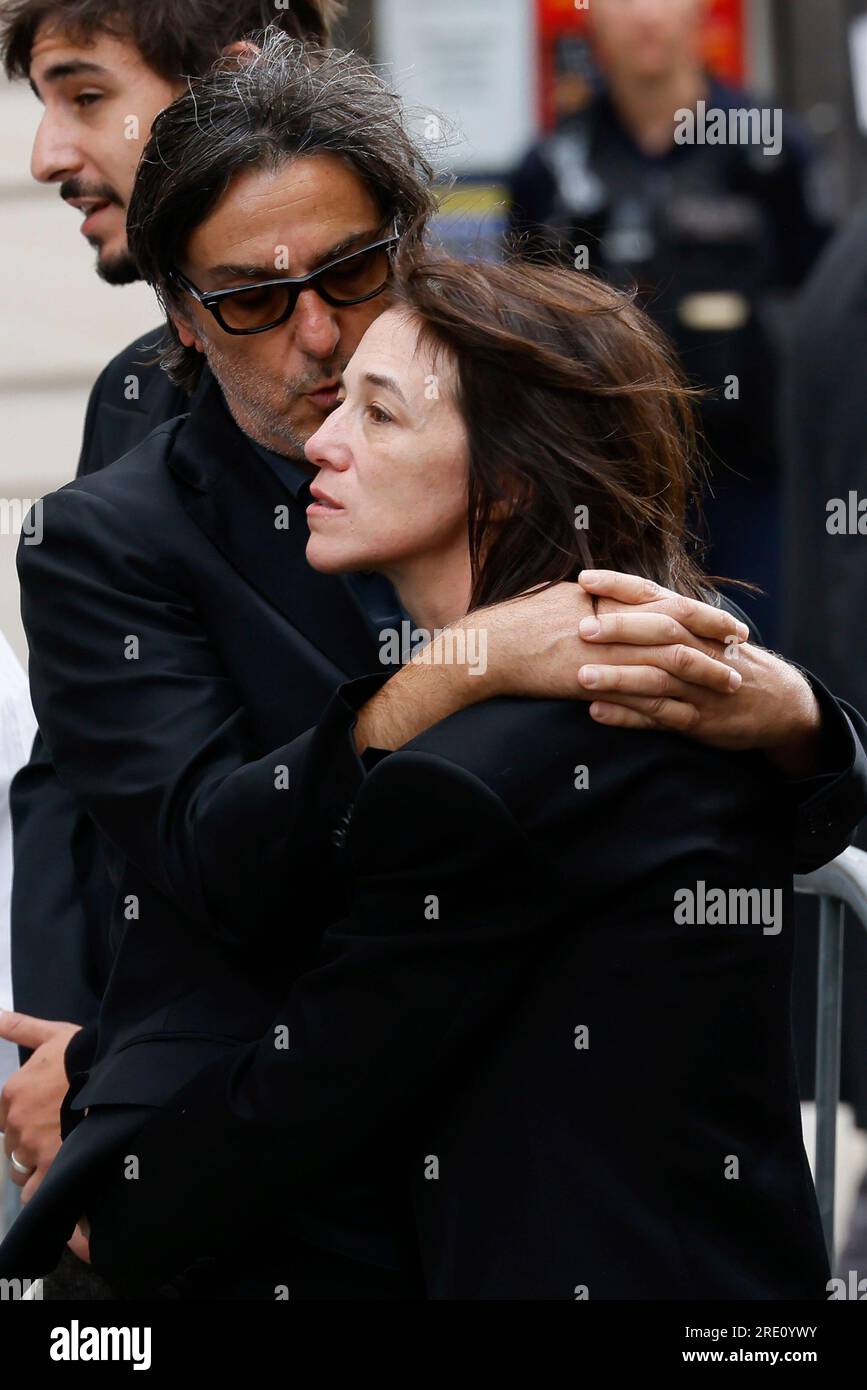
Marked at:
<point>240,504</point>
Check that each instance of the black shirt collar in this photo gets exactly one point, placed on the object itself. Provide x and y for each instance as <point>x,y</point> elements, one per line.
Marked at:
<point>293,474</point>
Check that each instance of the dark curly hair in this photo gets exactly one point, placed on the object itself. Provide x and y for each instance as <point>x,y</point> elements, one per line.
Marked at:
<point>177,38</point>
<point>261,111</point>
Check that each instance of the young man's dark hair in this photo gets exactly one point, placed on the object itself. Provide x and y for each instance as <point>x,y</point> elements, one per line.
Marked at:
<point>289,100</point>
<point>175,37</point>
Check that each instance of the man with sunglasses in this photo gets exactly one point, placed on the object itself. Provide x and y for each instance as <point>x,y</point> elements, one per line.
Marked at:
<point>185,659</point>
<point>101,70</point>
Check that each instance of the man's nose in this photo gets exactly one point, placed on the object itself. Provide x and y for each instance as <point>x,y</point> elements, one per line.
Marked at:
<point>317,331</point>
<point>55,155</point>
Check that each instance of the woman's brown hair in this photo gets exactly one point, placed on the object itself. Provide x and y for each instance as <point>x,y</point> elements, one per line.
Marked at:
<point>572,399</point>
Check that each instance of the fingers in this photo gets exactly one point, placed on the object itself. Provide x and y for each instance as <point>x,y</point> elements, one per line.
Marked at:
<point>679,671</point>
<point>26,1159</point>
<point>632,626</point>
<point>11,1134</point>
<point>626,588</point>
<point>649,629</point>
<point>702,619</point>
<point>647,681</point>
<point>31,1186</point>
<point>24,1030</point>
<point>637,712</point>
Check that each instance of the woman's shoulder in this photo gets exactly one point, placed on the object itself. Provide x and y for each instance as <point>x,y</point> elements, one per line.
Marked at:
<point>500,739</point>
<point>521,749</point>
<point>535,755</point>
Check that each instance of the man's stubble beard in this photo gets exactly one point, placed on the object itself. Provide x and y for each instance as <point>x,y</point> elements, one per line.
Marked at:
<point>251,409</point>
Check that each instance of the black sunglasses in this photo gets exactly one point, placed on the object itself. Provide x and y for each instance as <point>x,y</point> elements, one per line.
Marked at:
<point>351,279</point>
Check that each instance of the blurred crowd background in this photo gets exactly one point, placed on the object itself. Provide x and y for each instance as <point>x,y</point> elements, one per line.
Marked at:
<point>557,120</point>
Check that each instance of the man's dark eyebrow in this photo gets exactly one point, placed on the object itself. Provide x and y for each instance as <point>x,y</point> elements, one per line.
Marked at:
<point>245,272</point>
<point>267,272</point>
<point>348,244</point>
<point>74,68</point>
<point>388,382</point>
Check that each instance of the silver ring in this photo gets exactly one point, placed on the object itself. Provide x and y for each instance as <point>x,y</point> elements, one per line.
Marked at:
<point>20,1168</point>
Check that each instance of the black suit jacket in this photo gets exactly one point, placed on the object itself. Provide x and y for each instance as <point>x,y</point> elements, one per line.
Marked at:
<point>61,892</point>
<point>576,1095</point>
<point>181,653</point>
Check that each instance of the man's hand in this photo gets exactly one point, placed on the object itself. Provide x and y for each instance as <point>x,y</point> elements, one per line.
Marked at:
<point>660,646</point>
<point>31,1099</point>
<point>655,644</point>
<point>775,710</point>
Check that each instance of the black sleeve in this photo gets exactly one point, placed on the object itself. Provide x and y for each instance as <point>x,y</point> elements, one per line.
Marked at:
<point>149,734</point>
<point>435,951</point>
<point>58,913</point>
<point>61,893</point>
<point>827,808</point>
<point>58,937</point>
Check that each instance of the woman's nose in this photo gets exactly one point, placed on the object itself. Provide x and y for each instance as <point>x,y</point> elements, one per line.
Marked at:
<point>328,448</point>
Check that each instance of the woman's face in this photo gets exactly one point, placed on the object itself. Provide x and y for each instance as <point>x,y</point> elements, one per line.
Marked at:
<point>392,457</point>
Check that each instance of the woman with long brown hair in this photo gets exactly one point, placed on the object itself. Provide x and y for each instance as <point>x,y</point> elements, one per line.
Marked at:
<point>581,944</point>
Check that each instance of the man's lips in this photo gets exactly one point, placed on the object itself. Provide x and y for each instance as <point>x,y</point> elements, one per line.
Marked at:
<point>91,207</point>
<point>325,396</point>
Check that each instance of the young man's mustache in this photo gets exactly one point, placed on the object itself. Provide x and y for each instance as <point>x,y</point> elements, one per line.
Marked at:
<point>99,192</point>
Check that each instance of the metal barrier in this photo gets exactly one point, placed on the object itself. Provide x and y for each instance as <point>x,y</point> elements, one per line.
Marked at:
<point>840,884</point>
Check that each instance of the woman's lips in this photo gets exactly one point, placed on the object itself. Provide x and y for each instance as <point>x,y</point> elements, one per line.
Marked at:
<point>320,509</point>
<point>322,505</point>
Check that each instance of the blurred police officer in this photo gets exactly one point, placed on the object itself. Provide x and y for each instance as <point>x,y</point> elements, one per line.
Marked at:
<point>670,180</point>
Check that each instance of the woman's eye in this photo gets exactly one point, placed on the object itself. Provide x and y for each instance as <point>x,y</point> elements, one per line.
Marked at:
<point>378,415</point>
<point>87,98</point>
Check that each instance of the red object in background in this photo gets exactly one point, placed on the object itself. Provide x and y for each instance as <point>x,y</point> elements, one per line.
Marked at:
<point>725,40</point>
<point>559,19</point>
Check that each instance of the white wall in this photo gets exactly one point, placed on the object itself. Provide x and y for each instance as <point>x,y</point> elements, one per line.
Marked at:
<point>59,325</point>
